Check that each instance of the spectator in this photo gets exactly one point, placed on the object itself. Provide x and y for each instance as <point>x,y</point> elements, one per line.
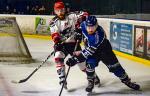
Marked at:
<point>36,9</point>
<point>28,11</point>
<point>42,10</point>
<point>14,11</point>
<point>7,10</point>
<point>33,11</point>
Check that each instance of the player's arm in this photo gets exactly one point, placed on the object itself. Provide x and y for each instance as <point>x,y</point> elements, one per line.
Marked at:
<point>88,51</point>
<point>93,46</point>
<point>56,37</point>
<point>81,16</point>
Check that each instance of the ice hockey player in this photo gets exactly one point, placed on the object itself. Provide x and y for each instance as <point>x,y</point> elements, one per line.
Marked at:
<point>64,33</point>
<point>98,49</point>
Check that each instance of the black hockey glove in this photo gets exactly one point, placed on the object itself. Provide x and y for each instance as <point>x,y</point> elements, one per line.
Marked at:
<point>59,46</point>
<point>72,61</point>
<point>78,35</point>
<point>75,59</point>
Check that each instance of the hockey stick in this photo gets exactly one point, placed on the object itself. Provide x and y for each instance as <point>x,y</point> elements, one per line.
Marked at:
<point>68,70</point>
<point>24,80</point>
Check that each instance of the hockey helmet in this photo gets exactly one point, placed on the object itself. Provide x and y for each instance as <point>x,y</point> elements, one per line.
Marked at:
<point>91,24</point>
<point>91,21</point>
<point>59,5</point>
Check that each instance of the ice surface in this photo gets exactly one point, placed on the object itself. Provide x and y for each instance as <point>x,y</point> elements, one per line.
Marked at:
<point>45,81</point>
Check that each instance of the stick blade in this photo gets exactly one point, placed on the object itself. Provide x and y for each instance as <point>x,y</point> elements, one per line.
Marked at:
<point>14,81</point>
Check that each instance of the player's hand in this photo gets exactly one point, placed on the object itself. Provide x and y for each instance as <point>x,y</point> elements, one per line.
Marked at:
<point>78,35</point>
<point>59,46</point>
<point>71,61</point>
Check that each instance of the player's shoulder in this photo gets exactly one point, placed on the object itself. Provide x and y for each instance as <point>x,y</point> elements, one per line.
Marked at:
<point>70,14</point>
<point>100,28</point>
<point>53,20</point>
<point>75,13</point>
<point>83,25</point>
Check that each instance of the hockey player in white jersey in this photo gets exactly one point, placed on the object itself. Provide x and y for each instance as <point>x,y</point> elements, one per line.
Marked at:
<point>64,33</point>
<point>99,49</point>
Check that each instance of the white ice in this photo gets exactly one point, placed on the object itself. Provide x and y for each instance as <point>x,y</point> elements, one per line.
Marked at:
<point>45,81</point>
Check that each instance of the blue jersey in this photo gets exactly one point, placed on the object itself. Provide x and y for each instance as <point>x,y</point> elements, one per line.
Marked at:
<point>93,40</point>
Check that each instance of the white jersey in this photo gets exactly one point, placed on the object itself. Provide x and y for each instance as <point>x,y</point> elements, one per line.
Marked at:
<point>66,27</point>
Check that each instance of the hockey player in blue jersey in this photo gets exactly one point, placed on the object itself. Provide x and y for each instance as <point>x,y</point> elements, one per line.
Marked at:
<point>98,48</point>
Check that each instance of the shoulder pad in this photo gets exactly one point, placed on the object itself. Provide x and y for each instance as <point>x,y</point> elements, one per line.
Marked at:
<point>71,13</point>
<point>52,22</point>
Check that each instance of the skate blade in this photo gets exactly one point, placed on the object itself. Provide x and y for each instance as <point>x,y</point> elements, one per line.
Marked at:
<point>90,93</point>
<point>98,85</point>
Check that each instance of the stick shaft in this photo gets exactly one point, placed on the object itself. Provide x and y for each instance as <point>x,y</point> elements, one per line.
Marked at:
<point>24,80</point>
<point>76,46</point>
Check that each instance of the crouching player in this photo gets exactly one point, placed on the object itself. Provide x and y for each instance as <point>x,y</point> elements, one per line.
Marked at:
<point>98,49</point>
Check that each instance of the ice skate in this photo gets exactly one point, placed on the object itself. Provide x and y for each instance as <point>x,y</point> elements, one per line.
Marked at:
<point>65,85</point>
<point>90,86</point>
<point>131,85</point>
<point>97,81</point>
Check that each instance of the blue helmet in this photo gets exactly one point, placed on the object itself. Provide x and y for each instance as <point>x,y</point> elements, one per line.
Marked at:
<point>91,21</point>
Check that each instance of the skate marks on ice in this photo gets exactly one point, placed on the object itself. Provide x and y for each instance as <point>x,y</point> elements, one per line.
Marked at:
<point>48,92</point>
<point>115,93</point>
<point>35,91</point>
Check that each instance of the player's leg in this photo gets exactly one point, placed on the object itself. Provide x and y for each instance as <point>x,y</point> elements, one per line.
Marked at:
<point>91,63</point>
<point>97,80</point>
<point>110,60</point>
<point>59,60</point>
<point>118,71</point>
<point>82,67</point>
<point>90,77</point>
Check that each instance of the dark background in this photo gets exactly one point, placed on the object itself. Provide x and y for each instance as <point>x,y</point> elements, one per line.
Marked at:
<point>96,7</point>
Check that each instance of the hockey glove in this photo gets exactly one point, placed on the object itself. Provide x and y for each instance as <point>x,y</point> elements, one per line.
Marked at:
<point>75,59</point>
<point>72,61</point>
<point>59,46</point>
<point>78,35</point>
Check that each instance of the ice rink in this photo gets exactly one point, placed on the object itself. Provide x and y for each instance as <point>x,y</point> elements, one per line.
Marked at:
<point>45,81</point>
